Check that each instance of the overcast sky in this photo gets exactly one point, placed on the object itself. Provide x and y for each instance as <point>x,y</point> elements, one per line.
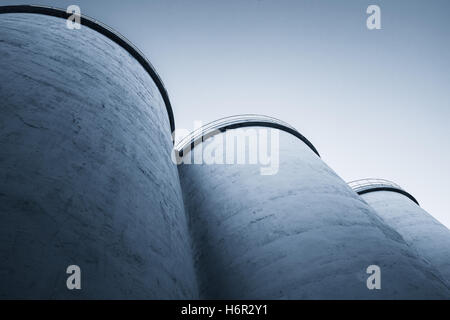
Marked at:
<point>375,103</point>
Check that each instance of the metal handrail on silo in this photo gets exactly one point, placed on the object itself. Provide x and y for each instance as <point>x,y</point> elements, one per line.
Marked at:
<point>361,184</point>
<point>367,185</point>
<point>246,120</point>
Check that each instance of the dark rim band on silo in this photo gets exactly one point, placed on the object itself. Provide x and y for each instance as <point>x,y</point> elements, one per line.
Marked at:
<point>363,186</point>
<point>233,122</point>
<point>107,32</point>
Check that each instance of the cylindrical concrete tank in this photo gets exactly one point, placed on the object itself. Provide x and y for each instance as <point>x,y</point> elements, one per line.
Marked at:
<point>86,176</point>
<point>298,232</point>
<point>401,211</point>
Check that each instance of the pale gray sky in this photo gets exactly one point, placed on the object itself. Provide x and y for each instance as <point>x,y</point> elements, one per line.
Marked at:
<point>374,103</point>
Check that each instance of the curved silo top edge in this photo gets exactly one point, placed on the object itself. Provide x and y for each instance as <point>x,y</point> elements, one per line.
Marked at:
<point>107,32</point>
<point>363,186</point>
<point>238,121</point>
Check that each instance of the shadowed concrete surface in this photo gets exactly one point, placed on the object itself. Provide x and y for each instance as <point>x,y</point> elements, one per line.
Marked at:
<point>299,234</point>
<point>85,170</point>
<point>86,178</point>
<point>420,230</point>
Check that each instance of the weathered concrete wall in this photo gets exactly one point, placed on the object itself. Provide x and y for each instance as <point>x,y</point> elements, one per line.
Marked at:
<point>420,230</point>
<point>85,170</point>
<point>299,234</point>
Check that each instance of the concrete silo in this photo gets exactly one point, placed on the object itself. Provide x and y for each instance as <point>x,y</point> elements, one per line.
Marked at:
<point>85,171</point>
<point>401,211</point>
<point>300,233</point>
